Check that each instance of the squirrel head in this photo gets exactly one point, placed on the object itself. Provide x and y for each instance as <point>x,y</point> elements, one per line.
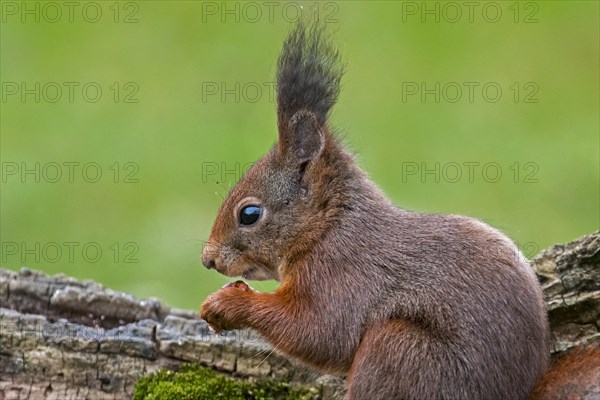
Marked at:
<point>287,200</point>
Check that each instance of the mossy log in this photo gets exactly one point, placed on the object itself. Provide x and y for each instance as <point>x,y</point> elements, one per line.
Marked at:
<point>65,339</point>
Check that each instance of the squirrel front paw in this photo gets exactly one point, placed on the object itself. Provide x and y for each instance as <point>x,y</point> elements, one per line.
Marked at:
<point>227,308</point>
<point>240,285</point>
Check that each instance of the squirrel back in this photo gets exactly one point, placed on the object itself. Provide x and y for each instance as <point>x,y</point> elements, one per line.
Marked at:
<point>405,305</point>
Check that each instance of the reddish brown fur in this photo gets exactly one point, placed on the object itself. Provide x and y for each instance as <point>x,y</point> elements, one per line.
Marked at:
<point>574,376</point>
<point>406,305</point>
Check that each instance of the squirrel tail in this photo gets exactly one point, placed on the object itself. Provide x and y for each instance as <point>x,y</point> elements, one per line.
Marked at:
<point>308,73</point>
<point>575,376</point>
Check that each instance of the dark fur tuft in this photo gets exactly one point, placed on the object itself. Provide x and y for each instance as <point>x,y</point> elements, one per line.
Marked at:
<point>308,74</point>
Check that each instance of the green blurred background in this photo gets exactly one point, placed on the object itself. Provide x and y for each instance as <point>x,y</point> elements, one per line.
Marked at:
<point>194,69</point>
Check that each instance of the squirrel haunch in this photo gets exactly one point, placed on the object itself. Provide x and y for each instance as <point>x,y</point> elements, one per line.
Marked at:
<point>406,305</point>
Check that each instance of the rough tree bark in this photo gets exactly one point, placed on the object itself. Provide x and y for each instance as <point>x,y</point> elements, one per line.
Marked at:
<point>65,339</point>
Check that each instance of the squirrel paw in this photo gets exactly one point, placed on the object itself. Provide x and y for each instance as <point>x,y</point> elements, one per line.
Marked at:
<point>226,309</point>
<point>240,285</point>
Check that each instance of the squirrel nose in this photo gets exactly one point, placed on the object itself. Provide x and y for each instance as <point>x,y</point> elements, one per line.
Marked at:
<point>208,262</point>
<point>208,256</point>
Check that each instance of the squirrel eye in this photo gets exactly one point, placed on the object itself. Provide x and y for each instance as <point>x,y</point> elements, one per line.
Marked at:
<point>249,215</point>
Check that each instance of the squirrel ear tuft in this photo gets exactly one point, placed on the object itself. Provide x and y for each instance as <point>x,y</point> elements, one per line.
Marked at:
<point>302,139</point>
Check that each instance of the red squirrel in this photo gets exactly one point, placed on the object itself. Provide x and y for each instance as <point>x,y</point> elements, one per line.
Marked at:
<point>405,305</point>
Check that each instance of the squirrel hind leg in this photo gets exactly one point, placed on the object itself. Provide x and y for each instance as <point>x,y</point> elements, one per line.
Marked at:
<point>395,360</point>
<point>574,376</point>
<point>400,360</point>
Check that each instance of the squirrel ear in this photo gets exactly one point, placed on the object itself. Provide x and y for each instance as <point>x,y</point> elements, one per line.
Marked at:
<point>302,139</point>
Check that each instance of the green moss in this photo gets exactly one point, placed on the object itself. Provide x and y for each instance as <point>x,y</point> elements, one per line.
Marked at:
<point>193,382</point>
